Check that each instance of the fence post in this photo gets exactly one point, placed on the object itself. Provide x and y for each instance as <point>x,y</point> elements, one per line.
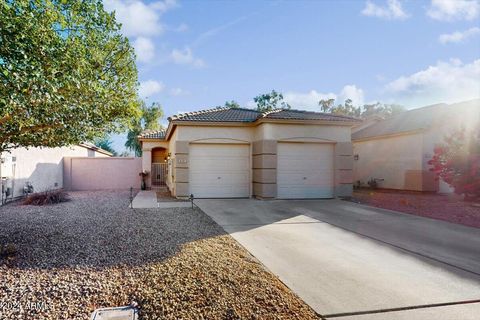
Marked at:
<point>131,197</point>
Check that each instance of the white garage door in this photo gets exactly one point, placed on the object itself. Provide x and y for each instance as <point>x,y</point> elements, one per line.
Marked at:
<point>304,170</point>
<point>219,171</point>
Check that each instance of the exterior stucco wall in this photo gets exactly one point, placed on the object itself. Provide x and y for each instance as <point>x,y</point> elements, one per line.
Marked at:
<point>147,147</point>
<point>263,141</point>
<point>279,131</point>
<point>343,169</point>
<point>43,167</point>
<point>264,162</point>
<point>82,173</point>
<point>194,133</point>
<point>397,160</point>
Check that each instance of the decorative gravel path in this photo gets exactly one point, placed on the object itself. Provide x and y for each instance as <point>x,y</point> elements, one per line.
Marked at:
<point>95,252</point>
<point>450,208</point>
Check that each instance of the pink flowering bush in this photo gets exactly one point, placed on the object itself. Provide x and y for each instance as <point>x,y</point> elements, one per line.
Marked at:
<point>457,162</point>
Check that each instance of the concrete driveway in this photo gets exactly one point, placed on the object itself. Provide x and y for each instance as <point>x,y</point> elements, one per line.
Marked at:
<point>350,261</point>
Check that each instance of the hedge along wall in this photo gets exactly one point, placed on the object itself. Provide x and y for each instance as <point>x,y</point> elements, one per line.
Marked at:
<point>81,173</point>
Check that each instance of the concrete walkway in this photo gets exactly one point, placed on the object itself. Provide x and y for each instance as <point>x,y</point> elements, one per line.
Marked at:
<point>145,199</point>
<point>148,199</point>
<point>350,261</point>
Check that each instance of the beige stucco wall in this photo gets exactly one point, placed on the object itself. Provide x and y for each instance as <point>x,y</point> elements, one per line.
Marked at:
<point>43,167</point>
<point>279,131</point>
<point>147,147</point>
<point>390,159</point>
<point>262,139</point>
<point>193,133</point>
<point>81,173</point>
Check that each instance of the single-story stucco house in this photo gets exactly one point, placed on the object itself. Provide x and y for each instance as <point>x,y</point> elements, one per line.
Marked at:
<point>237,152</point>
<point>39,168</point>
<point>396,150</point>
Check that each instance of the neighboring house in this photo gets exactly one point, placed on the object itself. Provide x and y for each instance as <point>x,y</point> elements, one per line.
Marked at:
<point>236,153</point>
<point>40,168</point>
<point>397,150</point>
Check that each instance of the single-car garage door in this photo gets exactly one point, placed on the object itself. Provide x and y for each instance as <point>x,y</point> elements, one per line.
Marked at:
<point>219,170</point>
<point>304,170</point>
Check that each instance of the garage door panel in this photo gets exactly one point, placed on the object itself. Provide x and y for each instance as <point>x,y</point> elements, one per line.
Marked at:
<point>305,170</point>
<point>219,171</point>
<point>221,165</point>
<point>225,178</point>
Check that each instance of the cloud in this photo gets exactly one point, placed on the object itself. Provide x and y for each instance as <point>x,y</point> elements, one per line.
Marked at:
<point>214,31</point>
<point>444,82</point>
<point>186,57</point>
<point>351,92</point>
<point>392,11</point>
<point>138,18</point>
<point>144,48</point>
<point>181,27</point>
<point>164,6</point>
<point>149,88</point>
<point>309,100</point>
<point>178,92</point>
<point>450,10</point>
<point>459,36</point>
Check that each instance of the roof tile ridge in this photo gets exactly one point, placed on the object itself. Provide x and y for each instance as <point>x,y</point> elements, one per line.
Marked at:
<point>191,113</point>
<point>266,113</point>
<point>151,131</point>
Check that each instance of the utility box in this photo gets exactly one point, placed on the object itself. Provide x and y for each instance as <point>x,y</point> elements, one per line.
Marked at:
<point>117,313</point>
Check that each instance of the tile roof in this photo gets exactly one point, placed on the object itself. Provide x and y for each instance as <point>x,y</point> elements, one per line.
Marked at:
<point>419,119</point>
<point>153,134</point>
<point>250,115</point>
<point>219,115</point>
<point>306,115</point>
<point>226,114</point>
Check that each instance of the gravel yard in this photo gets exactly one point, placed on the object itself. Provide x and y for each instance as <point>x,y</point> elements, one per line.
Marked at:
<point>450,208</point>
<point>95,252</point>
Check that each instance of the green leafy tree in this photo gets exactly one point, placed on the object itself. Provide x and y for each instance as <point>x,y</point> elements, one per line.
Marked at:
<point>232,104</point>
<point>384,110</point>
<point>67,74</point>
<point>270,101</point>
<point>348,109</point>
<point>106,144</point>
<point>326,104</point>
<point>125,154</point>
<point>149,120</point>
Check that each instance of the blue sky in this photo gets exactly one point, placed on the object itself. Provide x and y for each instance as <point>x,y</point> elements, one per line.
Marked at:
<point>194,55</point>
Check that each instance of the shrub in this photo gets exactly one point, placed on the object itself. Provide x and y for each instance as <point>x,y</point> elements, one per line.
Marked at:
<point>8,254</point>
<point>457,162</point>
<point>8,250</point>
<point>46,197</point>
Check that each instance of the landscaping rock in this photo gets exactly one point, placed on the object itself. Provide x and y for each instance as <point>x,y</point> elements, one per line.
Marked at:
<point>94,252</point>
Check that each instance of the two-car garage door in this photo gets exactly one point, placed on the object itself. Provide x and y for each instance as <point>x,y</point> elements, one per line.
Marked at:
<point>219,170</point>
<point>304,170</point>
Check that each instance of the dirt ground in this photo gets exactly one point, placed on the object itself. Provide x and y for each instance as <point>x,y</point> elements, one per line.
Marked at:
<point>450,208</point>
